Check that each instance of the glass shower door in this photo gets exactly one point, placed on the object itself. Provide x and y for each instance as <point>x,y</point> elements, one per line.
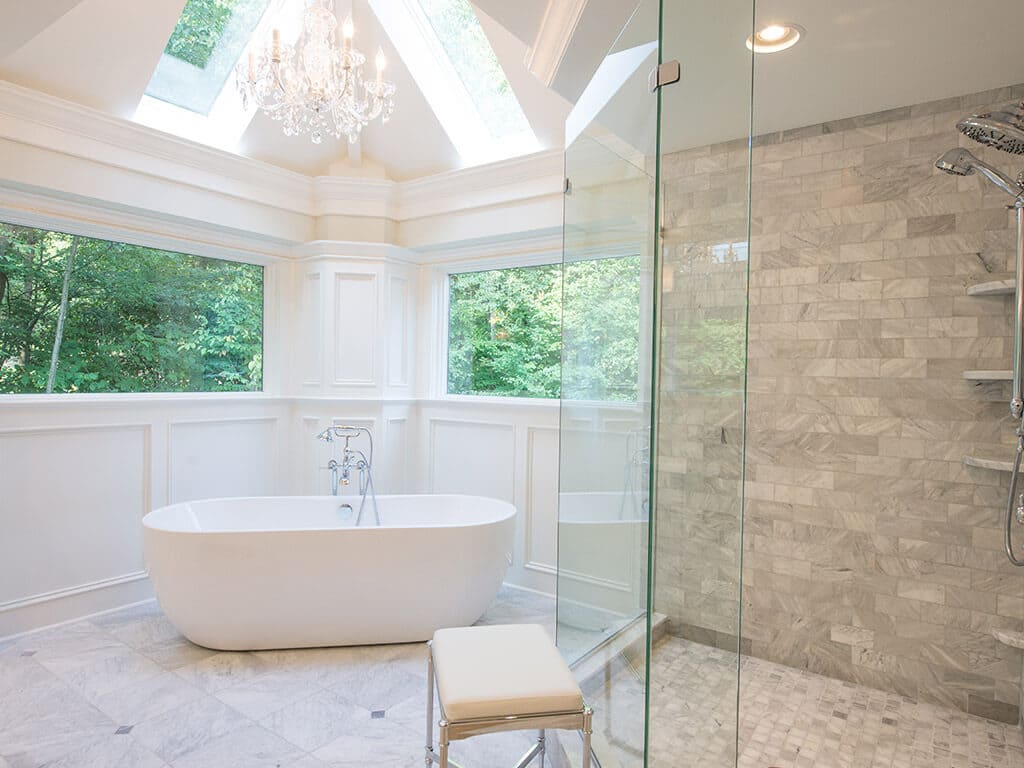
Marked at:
<point>608,276</point>
<point>705,161</point>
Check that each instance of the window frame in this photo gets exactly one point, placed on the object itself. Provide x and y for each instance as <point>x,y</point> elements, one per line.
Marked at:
<point>81,227</point>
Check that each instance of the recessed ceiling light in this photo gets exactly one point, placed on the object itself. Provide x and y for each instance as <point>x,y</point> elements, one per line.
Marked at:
<point>775,37</point>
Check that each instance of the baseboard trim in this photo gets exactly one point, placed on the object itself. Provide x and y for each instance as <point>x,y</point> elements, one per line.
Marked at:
<point>61,606</point>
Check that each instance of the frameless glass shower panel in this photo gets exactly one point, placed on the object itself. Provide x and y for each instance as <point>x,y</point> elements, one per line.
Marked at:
<point>700,408</point>
<point>607,284</point>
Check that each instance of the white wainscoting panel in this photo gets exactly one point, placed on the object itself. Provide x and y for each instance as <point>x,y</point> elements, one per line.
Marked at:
<point>311,331</point>
<point>398,336</point>
<point>355,329</point>
<point>394,477</point>
<point>541,509</point>
<point>473,458</point>
<point>212,458</point>
<point>73,501</point>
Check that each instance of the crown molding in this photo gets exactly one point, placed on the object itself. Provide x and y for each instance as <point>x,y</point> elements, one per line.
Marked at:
<point>45,209</point>
<point>47,122</point>
<point>557,27</point>
<point>517,248</point>
<point>520,178</point>
<point>349,250</point>
<point>40,122</point>
<point>343,196</point>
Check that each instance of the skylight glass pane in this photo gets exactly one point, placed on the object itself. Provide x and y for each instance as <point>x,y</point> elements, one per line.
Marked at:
<point>202,51</point>
<point>463,39</point>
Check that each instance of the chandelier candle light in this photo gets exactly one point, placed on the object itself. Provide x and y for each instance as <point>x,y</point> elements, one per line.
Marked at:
<point>314,86</point>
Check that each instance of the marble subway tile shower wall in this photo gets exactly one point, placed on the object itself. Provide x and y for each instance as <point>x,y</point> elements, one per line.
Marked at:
<point>871,552</point>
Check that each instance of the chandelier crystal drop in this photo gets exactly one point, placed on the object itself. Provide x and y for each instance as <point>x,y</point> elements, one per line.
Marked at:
<point>315,86</point>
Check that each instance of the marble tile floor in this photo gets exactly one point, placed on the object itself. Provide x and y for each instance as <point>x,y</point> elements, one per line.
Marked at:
<point>125,690</point>
<point>788,718</point>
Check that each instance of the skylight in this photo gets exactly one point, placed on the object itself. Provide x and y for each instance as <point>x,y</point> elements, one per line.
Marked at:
<point>203,50</point>
<point>447,52</point>
<point>463,39</point>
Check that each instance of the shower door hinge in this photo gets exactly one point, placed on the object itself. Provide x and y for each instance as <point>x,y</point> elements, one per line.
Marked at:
<point>567,189</point>
<point>664,74</point>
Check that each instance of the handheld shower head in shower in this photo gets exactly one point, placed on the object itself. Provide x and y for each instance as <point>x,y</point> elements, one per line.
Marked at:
<point>960,162</point>
<point>1001,128</point>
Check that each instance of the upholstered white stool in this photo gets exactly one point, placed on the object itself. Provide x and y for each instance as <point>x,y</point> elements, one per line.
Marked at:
<point>501,678</point>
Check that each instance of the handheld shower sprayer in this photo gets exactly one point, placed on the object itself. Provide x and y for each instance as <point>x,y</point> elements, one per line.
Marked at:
<point>1002,129</point>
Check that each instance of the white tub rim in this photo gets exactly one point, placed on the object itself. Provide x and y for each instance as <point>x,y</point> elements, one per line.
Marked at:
<point>150,522</point>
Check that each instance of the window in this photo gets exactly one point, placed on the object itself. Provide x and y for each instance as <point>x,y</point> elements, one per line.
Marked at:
<point>202,51</point>
<point>78,314</point>
<point>506,330</point>
<point>446,50</point>
<point>463,39</point>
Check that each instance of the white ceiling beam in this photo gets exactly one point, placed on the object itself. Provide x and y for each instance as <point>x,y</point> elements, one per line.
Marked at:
<point>556,31</point>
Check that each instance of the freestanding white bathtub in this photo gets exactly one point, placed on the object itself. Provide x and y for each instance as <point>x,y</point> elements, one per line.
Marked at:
<point>293,572</point>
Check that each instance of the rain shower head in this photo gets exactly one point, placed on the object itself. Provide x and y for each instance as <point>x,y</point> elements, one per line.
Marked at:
<point>960,162</point>
<point>1001,128</point>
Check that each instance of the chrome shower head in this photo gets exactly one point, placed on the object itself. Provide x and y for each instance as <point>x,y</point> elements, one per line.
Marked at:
<point>1001,128</point>
<point>960,162</point>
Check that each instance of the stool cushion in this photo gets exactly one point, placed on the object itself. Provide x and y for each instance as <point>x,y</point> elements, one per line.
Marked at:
<point>499,671</point>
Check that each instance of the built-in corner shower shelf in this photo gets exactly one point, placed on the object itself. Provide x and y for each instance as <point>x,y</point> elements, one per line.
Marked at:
<point>983,463</point>
<point>988,375</point>
<point>1007,637</point>
<point>992,288</point>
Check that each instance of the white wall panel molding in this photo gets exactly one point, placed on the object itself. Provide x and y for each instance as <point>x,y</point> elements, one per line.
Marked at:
<point>356,334</point>
<point>71,604</point>
<point>92,532</point>
<point>215,457</point>
<point>540,510</point>
<point>557,27</point>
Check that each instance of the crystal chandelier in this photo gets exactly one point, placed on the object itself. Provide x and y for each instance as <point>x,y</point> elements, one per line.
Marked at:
<point>314,86</point>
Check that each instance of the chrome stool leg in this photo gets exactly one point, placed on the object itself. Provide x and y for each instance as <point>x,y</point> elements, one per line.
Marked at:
<point>588,729</point>
<point>543,746</point>
<point>429,758</point>
<point>443,745</point>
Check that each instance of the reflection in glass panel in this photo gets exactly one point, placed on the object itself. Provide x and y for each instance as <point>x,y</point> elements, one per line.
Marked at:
<point>704,175</point>
<point>604,474</point>
<point>203,50</point>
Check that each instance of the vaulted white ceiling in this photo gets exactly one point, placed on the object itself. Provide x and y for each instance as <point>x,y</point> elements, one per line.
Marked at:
<point>102,54</point>
<point>856,58</point>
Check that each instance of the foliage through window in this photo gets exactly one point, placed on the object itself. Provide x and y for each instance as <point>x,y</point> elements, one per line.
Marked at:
<point>202,51</point>
<point>199,29</point>
<point>79,314</point>
<point>506,327</point>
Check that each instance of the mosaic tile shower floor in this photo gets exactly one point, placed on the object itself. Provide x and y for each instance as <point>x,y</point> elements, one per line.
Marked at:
<point>792,719</point>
